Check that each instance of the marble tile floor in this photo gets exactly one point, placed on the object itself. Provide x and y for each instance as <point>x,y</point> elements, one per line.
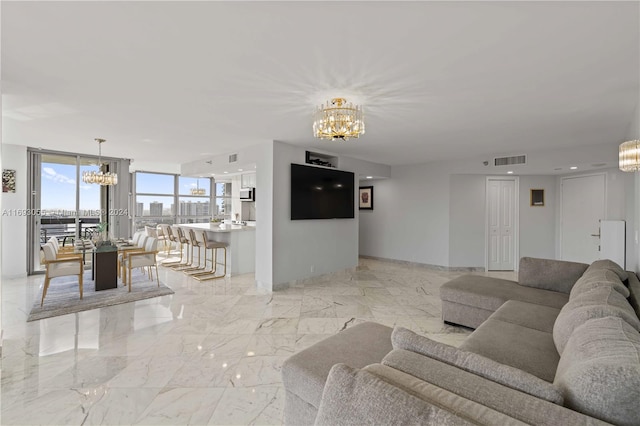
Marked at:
<point>209,354</point>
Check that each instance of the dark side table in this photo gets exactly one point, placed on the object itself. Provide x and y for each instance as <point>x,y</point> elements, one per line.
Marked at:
<point>105,267</point>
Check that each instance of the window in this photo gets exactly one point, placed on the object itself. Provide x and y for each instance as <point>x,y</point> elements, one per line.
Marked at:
<point>222,200</point>
<point>168,198</point>
<point>194,205</point>
<point>154,200</point>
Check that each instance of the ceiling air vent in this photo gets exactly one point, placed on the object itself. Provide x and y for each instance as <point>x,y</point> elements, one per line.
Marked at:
<point>233,158</point>
<point>507,161</point>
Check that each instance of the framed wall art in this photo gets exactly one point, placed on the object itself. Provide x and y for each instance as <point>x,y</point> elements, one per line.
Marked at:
<point>8,180</point>
<point>537,197</point>
<point>365,198</point>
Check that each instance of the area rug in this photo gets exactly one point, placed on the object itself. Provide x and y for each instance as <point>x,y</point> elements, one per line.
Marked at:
<point>63,296</point>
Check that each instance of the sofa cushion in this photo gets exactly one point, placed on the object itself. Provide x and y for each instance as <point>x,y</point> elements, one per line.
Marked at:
<point>608,264</point>
<point>463,407</point>
<point>530,315</point>
<point>514,378</point>
<point>356,397</point>
<point>594,278</point>
<point>519,405</point>
<point>599,371</point>
<point>490,293</point>
<point>305,373</point>
<point>595,303</point>
<point>548,274</point>
<point>520,347</point>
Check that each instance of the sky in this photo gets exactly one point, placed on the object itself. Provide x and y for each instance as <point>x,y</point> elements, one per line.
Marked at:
<point>59,186</point>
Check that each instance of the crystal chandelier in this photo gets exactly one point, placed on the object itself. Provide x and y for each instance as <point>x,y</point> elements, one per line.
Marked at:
<point>100,177</point>
<point>629,156</point>
<point>197,190</point>
<point>337,120</point>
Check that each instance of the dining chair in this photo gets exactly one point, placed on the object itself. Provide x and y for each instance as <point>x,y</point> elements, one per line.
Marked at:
<point>151,231</point>
<point>137,245</point>
<point>60,251</point>
<point>56,267</point>
<point>60,248</point>
<point>143,259</point>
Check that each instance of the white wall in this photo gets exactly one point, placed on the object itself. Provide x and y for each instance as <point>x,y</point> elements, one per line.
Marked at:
<point>264,216</point>
<point>305,248</point>
<point>619,206</point>
<point>364,168</point>
<point>151,166</point>
<point>14,228</point>
<point>633,247</point>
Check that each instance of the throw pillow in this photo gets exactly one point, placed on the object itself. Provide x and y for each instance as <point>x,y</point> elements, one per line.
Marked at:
<point>594,278</point>
<point>599,371</point>
<point>402,338</point>
<point>356,397</point>
<point>596,303</point>
<point>610,265</point>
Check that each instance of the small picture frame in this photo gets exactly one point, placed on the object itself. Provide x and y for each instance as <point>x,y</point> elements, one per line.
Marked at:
<point>365,198</point>
<point>8,180</point>
<point>537,197</point>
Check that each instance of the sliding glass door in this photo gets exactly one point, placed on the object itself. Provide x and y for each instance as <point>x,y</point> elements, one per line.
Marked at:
<point>62,206</point>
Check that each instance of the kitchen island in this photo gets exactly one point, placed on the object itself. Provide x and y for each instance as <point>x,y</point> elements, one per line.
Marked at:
<point>241,240</point>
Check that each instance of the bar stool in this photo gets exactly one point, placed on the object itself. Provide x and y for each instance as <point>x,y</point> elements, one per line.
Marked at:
<point>182,240</point>
<point>195,243</point>
<point>173,238</point>
<point>213,246</point>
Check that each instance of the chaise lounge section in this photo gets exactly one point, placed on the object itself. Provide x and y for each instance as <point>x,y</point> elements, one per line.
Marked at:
<point>560,346</point>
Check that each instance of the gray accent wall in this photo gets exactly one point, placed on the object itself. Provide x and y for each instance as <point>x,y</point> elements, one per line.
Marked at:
<point>467,220</point>
<point>538,224</point>
<point>410,220</point>
<point>14,227</point>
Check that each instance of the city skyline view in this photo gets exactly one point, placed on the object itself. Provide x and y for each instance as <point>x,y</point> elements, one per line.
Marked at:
<point>58,190</point>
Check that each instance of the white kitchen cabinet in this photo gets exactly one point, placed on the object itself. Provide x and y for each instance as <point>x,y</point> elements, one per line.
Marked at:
<point>248,180</point>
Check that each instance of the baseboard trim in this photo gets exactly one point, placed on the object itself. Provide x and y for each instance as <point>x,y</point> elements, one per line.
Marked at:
<point>428,265</point>
<point>16,276</point>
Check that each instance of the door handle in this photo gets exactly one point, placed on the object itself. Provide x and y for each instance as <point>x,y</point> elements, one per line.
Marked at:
<point>595,235</point>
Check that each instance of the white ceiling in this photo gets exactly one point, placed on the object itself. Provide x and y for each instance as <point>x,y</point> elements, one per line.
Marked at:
<point>179,81</point>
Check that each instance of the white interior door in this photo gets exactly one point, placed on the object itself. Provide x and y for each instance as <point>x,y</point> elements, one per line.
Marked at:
<point>583,205</point>
<point>502,220</point>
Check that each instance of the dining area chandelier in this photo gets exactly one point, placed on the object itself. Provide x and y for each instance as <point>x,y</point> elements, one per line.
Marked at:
<point>337,120</point>
<point>99,177</point>
<point>197,190</point>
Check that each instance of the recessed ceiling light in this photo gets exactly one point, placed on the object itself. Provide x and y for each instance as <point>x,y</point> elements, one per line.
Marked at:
<point>510,172</point>
<point>213,174</point>
<point>573,167</point>
<point>226,173</point>
<point>369,177</point>
<point>239,170</point>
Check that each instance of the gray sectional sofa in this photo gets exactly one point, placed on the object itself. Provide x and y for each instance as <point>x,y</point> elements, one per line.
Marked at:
<point>560,346</point>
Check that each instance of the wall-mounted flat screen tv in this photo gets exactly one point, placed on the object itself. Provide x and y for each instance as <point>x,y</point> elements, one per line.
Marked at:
<point>319,193</point>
